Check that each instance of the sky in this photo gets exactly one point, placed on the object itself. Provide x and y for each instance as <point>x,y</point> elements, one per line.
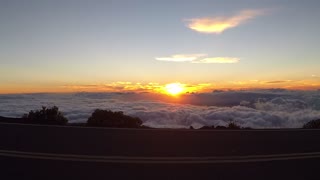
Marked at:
<point>143,45</point>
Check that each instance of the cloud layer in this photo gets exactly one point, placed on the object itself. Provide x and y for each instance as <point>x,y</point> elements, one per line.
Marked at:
<point>217,25</point>
<point>220,60</point>
<point>257,109</point>
<point>198,58</point>
<point>181,57</point>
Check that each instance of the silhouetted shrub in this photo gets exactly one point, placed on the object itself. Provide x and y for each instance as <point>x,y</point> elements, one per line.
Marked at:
<point>208,127</point>
<point>314,124</point>
<point>233,125</point>
<point>50,116</point>
<point>221,127</point>
<point>107,118</point>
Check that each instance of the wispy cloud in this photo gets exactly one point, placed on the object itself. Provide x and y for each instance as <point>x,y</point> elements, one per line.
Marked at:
<point>220,60</point>
<point>198,58</point>
<point>181,57</point>
<point>277,82</point>
<point>217,25</point>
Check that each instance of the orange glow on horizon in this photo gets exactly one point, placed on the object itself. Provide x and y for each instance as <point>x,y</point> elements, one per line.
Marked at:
<point>171,89</point>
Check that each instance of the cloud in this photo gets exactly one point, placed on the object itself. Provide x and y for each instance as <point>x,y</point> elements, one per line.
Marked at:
<point>196,58</point>
<point>219,60</point>
<point>256,108</point>
<point>276,82</point>
<point>181,57</point>
<point>217,25</point>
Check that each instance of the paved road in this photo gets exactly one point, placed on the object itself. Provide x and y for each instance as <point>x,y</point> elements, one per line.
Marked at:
<point>28,151</point>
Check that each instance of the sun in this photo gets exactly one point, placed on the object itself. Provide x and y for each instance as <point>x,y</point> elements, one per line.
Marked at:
<point>174,88</point>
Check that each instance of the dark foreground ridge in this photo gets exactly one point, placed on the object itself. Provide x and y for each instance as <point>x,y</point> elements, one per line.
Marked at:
<point>63,152</point>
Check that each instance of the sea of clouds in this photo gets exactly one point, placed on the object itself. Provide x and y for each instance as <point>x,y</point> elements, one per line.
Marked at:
<point>275,108</point>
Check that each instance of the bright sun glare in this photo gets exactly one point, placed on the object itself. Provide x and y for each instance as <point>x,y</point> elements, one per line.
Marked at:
<point>174,88</point>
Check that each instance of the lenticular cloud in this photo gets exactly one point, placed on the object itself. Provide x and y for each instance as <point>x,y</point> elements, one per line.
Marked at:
<point>257,109</point>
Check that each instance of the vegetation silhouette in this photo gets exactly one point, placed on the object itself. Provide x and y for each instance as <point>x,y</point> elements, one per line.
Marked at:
<point>231,125</point>
<point>314,124</point>
<point>48,116</point>
<point>221,127</point>
<point>208,127</point>
<point>108,118</point>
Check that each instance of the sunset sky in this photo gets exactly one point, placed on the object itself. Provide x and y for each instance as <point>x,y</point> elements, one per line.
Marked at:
<point>143,45</point>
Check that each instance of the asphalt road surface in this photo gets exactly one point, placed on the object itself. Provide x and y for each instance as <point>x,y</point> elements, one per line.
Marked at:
<point>50,152</point>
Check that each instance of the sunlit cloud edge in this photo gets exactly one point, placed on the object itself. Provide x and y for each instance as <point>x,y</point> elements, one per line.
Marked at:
<point>218,24</point>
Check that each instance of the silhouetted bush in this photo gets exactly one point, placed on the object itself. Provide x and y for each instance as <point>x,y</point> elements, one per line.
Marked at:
<point>314,124</point>
<point>208,127</point>
<point>233,125</point>
<point>221,127</point>
<point>107,118</point>
<point>50,116</point>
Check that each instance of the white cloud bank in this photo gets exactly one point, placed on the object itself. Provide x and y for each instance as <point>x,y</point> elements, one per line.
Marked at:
<point>258,109</point>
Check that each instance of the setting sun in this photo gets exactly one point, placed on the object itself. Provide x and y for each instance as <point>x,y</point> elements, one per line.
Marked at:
<point>174,88</point>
